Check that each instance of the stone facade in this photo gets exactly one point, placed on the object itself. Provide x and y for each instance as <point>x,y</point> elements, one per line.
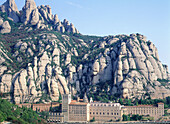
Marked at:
<point>106,111</point>
<point>82,111</point>
<point>39,107</point>
<point>55,117</point>
<point>151,110</point>
<point>79,111</point>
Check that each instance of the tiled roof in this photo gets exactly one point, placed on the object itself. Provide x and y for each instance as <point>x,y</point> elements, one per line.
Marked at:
<point>74,102</point>
<point>160,103</point>
<point>141,106</point>
<point>42,104</point>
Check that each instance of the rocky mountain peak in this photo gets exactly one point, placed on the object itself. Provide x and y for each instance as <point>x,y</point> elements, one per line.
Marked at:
<point>38,64</point>
<point>11,9</point>
<point>40,17</point>
<point>29,12</point>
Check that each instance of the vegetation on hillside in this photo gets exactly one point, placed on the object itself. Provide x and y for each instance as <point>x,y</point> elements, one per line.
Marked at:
<point>17,115</point>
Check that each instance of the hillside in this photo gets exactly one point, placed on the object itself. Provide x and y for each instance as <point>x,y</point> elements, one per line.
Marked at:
<point>43,57</point>
<point>12,113</point>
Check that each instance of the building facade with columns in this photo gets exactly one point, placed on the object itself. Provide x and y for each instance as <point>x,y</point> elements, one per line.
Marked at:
<point>81,110</point>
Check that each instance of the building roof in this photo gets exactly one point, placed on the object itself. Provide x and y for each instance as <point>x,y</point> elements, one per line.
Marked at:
<point>74,102</point>
<point>42,104</point>
<point>23,104</point>
<point>160,103</point>
<point>141,106</point>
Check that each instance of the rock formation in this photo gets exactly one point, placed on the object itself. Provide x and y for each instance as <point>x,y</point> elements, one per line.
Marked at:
<point>4,27</point>
<point>40,66</point>
<point>30,13</point>
<point>11,9</point>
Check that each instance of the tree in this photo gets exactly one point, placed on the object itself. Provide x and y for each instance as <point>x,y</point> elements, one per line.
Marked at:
<point>1,118</point>
<point>125,117</point>
<point>136,103</point>
<point>92,120</point>
<point>136,117</point>
<point>121,101</point>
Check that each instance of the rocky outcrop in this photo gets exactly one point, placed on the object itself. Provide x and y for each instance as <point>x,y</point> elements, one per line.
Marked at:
<point>4,27</point>
<point>69,27</point>
<point>40,17</point>
<point>30,13</point>
<point>46,65</point>
<point>129,68</point>
<point>11,9</point>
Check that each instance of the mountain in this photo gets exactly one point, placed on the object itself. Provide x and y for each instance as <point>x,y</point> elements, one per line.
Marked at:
<point>43,57</point>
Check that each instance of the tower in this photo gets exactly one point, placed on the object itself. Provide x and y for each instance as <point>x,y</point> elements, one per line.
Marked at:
<point>66,99</point>
<point>161,109</point>
<point>85,99</point>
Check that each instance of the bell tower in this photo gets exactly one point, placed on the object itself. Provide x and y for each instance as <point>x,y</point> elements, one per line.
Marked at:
<point>66,99</point>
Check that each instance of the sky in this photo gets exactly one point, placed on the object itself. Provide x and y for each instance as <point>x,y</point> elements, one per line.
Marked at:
<point>110,17</point>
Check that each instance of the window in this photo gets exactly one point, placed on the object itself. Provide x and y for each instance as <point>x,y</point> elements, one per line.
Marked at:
<point>96,113</point>
<point>103,113</point>
<point>108,113</point>
<point>112,113</point>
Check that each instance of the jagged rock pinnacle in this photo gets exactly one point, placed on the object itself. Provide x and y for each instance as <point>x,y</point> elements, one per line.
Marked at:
<point>30,13</point>
<point>11,9</point>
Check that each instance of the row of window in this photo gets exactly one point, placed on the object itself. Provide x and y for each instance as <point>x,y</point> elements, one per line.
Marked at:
<point>77,112</point>
<point>114,105</point>
<point>77,107</point>
<point>103,113</point>
<point>144,111</point>
<point>104,110</point>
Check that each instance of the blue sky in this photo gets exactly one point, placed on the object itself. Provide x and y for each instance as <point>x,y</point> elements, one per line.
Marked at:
<point>98,17</point>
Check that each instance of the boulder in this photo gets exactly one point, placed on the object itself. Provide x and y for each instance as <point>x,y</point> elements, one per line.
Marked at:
<point>95,67</point>
<point>114,40</point>
<point>54,90</point>
<point>56,20</point>
<point>5,27</point>
<point>68,59</point>
<point>2,69</point>
<point>6,83</point>
<point>1,21</point>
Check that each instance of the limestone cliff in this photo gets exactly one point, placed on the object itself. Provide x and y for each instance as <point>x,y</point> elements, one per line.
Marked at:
<point>38,65</point>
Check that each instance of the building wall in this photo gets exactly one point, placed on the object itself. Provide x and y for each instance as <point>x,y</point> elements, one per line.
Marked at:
<point>55,117</point>
<point>105,111</point>
<point>27,105</point>
<point>41,107</point>
<point>153,111</point>
<point>78,112</point>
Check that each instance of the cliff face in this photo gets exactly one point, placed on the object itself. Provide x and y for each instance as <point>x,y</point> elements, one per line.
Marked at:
<point>43,58</point>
